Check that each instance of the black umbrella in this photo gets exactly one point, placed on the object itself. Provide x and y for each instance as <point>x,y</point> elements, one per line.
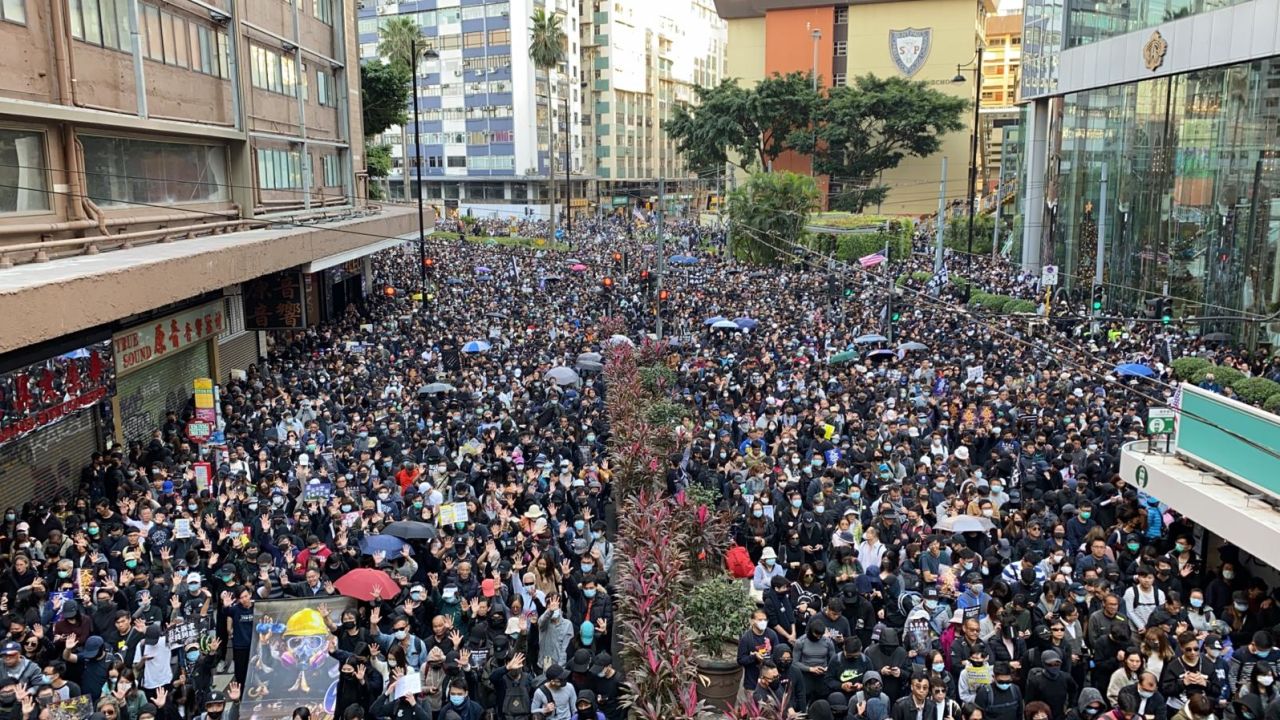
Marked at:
<point>1216,337</point>
<point>410,530</point>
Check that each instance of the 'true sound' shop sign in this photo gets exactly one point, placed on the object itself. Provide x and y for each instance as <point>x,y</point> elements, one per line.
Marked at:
<point>140,346</point>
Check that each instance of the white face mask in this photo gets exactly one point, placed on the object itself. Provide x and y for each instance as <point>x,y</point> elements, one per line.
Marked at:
<point>1266,680</point>
<point>761,625</point>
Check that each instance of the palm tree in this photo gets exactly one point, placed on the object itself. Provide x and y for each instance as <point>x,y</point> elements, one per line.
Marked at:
<point>546,49</point>
<point>398,39</point>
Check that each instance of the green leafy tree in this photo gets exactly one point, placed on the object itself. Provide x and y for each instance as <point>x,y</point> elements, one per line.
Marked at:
<point>752,123</point>
<point>546,49</point>
<point>385,91</point>
<point>767,215</point>
<point>378,160</point>
<point>869,127</point>
<point>399,40</point>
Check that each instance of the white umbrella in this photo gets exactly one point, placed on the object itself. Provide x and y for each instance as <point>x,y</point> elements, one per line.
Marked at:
<point>620,340</point>
<point>965,523</point>
<point>591,357</point>
<point>725,325</point>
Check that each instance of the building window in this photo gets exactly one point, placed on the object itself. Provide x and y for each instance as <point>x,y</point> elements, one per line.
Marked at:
<point>125,171</point>
<point>457,161</point>
<point>99,22</point>
<point>323,10</point>
<point>13,11</point>
<point>22,172</point>
<point>842,48</point>
<point>842,15</point>
<point>279,169</point>
<point>271,71</point>
<point>837,80</point>
<point>325,94</point>
<point>499,37</point>
<point>332,170</point>
<point>473,39</point>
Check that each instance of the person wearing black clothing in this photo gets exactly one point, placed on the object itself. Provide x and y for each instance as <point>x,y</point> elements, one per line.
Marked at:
<point>240,626</point>
<point>916,704</point>
<point>607,685</point>
<point>1188,674</point>
<point>755,647</point>
<point>780,608</point>
<point>1001,700</point>
<point>1051,685</point>
<point>846,671</point>
<point>1146,697</point>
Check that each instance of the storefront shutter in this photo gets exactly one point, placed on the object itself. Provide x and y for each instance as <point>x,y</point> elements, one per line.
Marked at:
<point>238,353</point>
<point>47,462</point>
<point>147,394</point>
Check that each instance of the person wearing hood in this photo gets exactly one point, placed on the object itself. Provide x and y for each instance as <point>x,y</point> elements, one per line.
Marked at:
<point>813,654</point>
<point>585,708</point>
<point>889,658</point>
<point>1051,684</point>
<point>1089,705</point>
<point>780,608</point>
<point>870,702</point>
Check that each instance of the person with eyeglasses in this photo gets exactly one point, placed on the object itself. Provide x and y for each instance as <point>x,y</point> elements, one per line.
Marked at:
<point>1188,674</point>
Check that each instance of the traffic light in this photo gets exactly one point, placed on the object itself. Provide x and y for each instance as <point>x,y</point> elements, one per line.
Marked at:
<point>895,316</point>
<point>1098,296</point>
<point>389,291</point>
<point>664,295</point>
<point>617,259</point>
<point>1165,307</point>
<point>429,264</point>
<point>644,276</point>
<point>607,283</point>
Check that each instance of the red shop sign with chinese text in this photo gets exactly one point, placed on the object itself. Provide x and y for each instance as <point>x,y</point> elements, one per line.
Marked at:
<point>140,346</point>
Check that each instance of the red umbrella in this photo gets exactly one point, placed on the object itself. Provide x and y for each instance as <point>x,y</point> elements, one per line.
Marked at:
<point>361,583</point>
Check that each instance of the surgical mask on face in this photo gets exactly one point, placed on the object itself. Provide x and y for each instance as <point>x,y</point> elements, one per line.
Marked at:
<point>1228,574</point>
<point>761,625</point>
<point>795,502</point>
<point>579,525</point>
<point>769,562</point>
<point>1133,546</point>
<point>976,588</point>
<point>939,667</point>
<point>346,507</point>
<point>757,513</point>
<point>1003,685</point>
<point>457,700</point>
<point>193,655</point>
<point>819,509</point>
<point>402,634</point>
<point>855,495</point>
<point>988,512</point>
<point>997,488</point>
<point>586,568</point>
<point>1241,607</point>
<point>1145,693</point>
<point>1197,602</point>
<point>931,604</point>
<point>1266,680</point>
<point>588,594</point>
<point>1084,514</point>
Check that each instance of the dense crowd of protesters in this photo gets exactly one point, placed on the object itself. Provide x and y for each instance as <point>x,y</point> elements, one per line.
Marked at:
<point>929,541</point>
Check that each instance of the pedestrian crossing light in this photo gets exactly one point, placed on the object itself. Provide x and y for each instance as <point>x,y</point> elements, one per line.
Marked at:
<point>429,263</point>
<point>663,295</point>
<point>607,283</point>
<point>389,291</point>
<point>895,316</point>
<point>1166,310</point>
<point>1097,298</point>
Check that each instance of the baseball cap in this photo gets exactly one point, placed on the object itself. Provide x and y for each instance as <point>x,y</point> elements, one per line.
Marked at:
<point>10,647</point>
<point>488,587</point>
<point>153,634</point>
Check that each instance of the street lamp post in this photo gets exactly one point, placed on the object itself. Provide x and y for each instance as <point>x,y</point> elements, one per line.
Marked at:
<point>973,144</point>
<point>417,169</point>
<point>816,34</point>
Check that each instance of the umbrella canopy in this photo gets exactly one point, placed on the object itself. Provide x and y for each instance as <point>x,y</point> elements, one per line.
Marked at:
<point>410,530</point>
<point>562,375</point>
<point>590,365</point>
<point>965,523</point>
<point>872,338</point>
<point>552,278</point>
<point>578,267</point>
<point>913,345</point>
<point>746,323</point>
<point>481,270</point>
<point>841,358</point>
<point>591,356</point>
<point>454,281</point>
<point>1216,337</point>
<point>880,355</point>
<point>388,544</point>
<point>476,346</point>
<point>725,325</point>
<point>621,340</point>
<point>436,388</point>
<point>1137,369</point>
<point>682,260</point>
<point>714,319</point>
<point>366,584</point>
<point>573,261</point>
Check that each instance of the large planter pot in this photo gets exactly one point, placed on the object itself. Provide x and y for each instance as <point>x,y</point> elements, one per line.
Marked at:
<point>721,679</point>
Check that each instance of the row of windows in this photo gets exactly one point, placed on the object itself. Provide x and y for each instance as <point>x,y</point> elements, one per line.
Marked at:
<point>272,71</point>
<point>13,11</point>
<point>166,37</point>
<point>279,169</point>
<point>479,137</point>
<point>471,113</point>
<point>481,64</point>
<point>457,89</point>
<point>479,162</point>
<point>323,10</point>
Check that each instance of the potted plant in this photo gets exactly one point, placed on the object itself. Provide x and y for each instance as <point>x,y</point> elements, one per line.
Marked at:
<point>718,610</point>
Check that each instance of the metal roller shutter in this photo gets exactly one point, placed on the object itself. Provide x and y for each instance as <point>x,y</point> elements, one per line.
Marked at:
<point>146,395</point>
<point>47,462</point>
<point>238,353</point>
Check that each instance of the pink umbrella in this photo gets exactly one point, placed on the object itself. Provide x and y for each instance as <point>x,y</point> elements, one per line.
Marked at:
<point>578,268</point>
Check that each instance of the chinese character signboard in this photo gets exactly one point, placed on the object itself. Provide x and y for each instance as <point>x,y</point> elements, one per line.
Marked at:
<point>275,302</point>
<point>140,346</point>
<point>44,392</point>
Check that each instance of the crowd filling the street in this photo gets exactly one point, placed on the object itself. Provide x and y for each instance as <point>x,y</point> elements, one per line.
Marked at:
<point>413,515</point>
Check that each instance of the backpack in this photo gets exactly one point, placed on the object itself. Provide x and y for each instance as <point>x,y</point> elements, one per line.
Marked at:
<point>738,562</point>
<point>517,702</point>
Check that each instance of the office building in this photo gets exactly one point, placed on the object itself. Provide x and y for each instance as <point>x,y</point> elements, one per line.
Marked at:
<point>165,197</point>
<point>921,39</point>
<point>1177,106</point>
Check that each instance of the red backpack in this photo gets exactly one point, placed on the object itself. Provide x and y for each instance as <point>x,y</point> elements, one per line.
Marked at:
<point>739,562</point>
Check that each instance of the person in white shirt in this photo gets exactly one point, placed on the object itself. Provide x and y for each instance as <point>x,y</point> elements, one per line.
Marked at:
<point>155,656</point>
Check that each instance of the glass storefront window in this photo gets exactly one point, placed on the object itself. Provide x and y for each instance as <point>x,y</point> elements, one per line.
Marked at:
<point>1093,20</point>
<point>1193,194</point>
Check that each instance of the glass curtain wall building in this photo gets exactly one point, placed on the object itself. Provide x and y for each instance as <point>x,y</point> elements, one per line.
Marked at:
<point>1178,104</point>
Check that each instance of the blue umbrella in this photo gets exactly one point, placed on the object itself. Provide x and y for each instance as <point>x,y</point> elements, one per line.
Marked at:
<point>714,319</point>
<point>476,346</point>
<point>1137,369</point>
<point>389,544</point>
<point>746,323</point>
<point>482,270</point>
<point>682,260</point>
<point>454,281</point>
<point>872,338</point>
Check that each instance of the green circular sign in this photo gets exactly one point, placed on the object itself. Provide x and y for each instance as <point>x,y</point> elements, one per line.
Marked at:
<point>1140,476</point>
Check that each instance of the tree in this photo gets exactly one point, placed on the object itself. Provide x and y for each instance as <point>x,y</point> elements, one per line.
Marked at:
<point>385,90</point>
<point>767,215</point>
<point>546,49</point>
<point>399,41</point>
<point>869,127</point>
<point>753,123</point>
